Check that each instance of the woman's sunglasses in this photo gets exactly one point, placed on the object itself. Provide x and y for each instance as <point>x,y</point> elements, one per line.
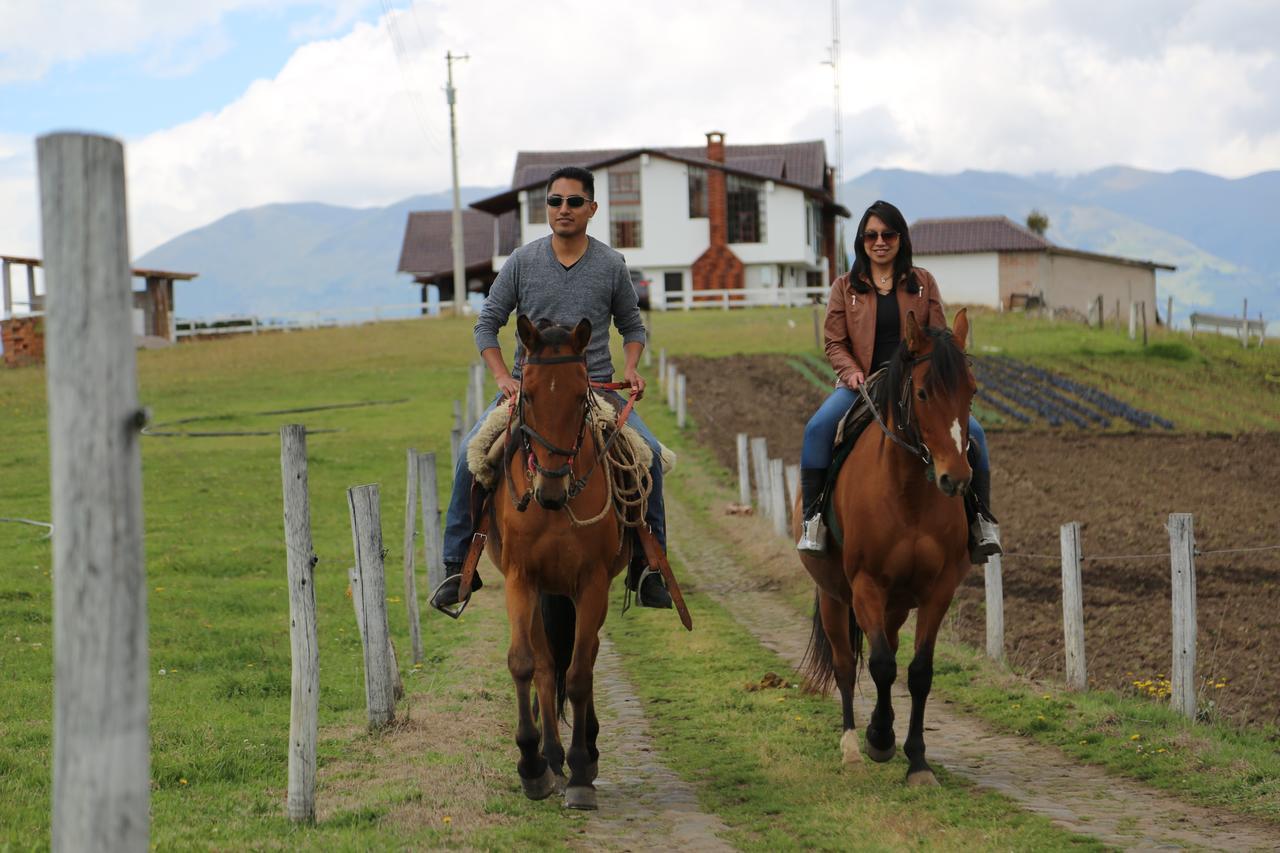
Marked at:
<point>574,201</point>
<point>873,236</point>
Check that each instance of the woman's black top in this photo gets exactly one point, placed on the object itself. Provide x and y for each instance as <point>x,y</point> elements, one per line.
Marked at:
<point>888,330</point>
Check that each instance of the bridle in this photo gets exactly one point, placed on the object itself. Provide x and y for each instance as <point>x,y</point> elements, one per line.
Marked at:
<point>528,435</point>
<point>912,442</point>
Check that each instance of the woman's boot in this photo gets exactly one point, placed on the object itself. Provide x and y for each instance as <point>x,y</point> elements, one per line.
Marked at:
<point>984,538</point>
<point>813,533</point>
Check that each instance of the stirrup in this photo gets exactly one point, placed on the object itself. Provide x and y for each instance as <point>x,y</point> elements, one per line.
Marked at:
<point>630,596</point>
<point>813,535</point>
<point>453,611</point>
<point>984,540</point>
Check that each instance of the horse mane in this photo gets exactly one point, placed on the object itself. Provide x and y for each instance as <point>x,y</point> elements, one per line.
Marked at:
<point>948,368</point>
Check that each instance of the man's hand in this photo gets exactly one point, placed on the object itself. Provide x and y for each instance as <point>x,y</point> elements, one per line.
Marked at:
<point>635,380</point>
<point>854,379</point>
<point>509,386</point>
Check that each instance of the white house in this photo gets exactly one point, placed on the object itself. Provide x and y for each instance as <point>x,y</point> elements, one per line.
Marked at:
<point>991,260</point>
<point>718,218</point>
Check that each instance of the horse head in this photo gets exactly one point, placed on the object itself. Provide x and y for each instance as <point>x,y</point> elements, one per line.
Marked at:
<point>935,388</point>
<point>554,396</point>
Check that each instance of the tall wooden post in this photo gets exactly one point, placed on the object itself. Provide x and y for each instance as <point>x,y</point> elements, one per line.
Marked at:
<point>369,590</point>
<point>1182,548</point>
<point>744,477</point>
<point>681,405</point>
<point>101,745</point>
<point>300,559</point>
<point>777,497</point>
<point>1073,607</point>
<point>760,467</point>
<point>410,575</point>
<point>995,607</point>
<point>432,535</point>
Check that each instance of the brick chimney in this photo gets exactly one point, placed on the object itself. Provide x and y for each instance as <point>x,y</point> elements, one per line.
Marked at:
<point>718,267</point>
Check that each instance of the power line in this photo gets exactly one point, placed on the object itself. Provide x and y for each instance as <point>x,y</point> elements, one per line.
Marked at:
<point>402,61</point>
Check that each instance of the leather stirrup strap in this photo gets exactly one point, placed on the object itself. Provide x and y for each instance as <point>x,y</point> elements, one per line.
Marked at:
<point>653,553</point>
<point>478,540</point>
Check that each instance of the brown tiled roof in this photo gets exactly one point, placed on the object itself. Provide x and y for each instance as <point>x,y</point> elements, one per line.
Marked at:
<point>428,247</point>
<point>800,164</point>
<point>967,234</point>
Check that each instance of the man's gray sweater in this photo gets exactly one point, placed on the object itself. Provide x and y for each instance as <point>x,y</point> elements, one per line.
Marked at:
<point>598,288</point>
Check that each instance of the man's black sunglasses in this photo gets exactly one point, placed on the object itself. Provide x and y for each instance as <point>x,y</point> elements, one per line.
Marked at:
<point>574,201</point>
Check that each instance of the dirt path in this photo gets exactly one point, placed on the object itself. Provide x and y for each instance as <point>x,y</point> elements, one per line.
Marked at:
<point>643,804</point>
<point>1043,780</point>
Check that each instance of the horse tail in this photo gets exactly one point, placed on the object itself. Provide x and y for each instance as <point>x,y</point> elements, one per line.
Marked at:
<point>819,662</point>
<point>559,619</point>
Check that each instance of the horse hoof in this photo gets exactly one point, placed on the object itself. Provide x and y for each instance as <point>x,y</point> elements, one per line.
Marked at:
<point>881,755</point>
<point>540,788</point>
<point>849,750</point>
<point>922,778</point>
<point>581,797</point>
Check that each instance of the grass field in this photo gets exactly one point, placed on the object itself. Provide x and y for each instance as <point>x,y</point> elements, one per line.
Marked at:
<point>218,605</point>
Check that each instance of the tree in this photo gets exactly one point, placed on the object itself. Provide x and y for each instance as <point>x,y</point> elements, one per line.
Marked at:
<point>1038,221</point>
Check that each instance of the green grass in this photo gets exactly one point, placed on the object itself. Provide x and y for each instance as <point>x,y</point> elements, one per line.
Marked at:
<point>217,601</point>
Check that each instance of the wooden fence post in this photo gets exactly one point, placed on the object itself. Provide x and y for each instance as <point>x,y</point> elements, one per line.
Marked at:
<point>1182,546</point>
<point>455,449</point>
<point>1144,322</point>
<point>662,367</point>
<point>1133,320</point>
<point>681,405</point>
<point>760,467</point>
<point>777,495</point>
<point>1073,607</point>
<point>793,484</point>
<point>1244,324</point>
<point>744,478</point>
<point>479,401</point>
<point>1168,315</point>
<point>995,607</point>
<point>369,594</point>
<point>101,743</point>
<point>304,692</point>
<point>432,536</point>
<point>410,576</point>
<point>671,386</point>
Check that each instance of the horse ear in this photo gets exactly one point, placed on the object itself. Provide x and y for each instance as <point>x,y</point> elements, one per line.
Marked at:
<point>915,337</point>
<point>581,335</point>
<point>960,328</point>
<point>528,332</point>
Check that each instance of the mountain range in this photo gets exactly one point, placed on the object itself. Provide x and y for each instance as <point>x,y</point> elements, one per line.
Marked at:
<point>1218,232</point>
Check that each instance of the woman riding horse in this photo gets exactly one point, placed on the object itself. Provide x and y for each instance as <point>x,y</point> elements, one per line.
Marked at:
<point>865,323</point>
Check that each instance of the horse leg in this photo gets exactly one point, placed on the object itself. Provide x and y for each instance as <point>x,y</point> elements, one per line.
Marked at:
<point>592,605</point>
<point>593,730</point>
<point>920,680</point>
<point>869,605</point>
<point>535,774</point>
<point>836,618</point>
<point>544,680</point>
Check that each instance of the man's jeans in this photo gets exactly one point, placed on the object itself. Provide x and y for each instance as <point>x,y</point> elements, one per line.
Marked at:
<point>458,525</point>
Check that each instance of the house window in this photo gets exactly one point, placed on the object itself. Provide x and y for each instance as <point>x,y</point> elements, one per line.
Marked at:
<point>537,205</point>
<point>697,192</point>
<point>745,199</point>
<point>813,227</point>
<point>624,207</point>
<point>673,282</point>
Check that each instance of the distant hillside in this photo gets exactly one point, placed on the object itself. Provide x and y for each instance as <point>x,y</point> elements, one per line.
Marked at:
<point>1218,232</point>
<point>284,258</point>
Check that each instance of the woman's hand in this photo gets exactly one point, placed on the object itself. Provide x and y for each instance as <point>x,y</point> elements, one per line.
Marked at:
<point>854,379</point>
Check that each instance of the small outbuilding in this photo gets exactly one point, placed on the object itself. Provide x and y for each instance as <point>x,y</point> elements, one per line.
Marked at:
<point>427,253</point>
<point>992,260</point>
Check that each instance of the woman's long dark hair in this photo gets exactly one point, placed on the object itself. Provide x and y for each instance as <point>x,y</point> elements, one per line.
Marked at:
<point>892,217</point>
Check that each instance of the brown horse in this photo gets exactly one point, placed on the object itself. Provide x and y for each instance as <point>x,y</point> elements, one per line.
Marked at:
<point>557,572</point>
<point>904,538</point>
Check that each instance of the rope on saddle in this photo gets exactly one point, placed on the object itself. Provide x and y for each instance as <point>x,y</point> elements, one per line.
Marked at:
<point>627,480</point>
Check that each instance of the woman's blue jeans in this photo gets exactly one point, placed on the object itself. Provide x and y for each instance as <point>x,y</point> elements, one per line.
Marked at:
<point>458,524</point>
<point>821,431</point>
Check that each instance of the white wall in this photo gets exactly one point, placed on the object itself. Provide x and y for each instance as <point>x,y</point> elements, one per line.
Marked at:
<point>783,229</point>
<point>965,279</point>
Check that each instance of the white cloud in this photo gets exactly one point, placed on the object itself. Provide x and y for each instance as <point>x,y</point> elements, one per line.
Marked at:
<point>940,86</point>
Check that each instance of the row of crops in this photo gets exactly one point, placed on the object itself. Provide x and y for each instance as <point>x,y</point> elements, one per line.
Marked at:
<point>1022,393</point>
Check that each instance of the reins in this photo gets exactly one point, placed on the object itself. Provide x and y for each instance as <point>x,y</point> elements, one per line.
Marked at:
<point>921,452</point>
<point>576,484</point>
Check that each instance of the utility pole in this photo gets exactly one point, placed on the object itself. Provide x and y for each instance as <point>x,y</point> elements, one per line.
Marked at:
<point>834,62</point>
<point>459,256</point>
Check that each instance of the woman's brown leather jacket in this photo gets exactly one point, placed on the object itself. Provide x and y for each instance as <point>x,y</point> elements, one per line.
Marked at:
<point>850,330</point>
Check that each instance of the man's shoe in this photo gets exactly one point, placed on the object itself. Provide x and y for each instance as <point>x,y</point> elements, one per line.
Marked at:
<point>653,590</point>
<point>984,540</point>
<point>813,536</point>
<point>445,598</point>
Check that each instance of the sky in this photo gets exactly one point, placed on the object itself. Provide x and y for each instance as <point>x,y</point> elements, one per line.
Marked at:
<point>229,104</point>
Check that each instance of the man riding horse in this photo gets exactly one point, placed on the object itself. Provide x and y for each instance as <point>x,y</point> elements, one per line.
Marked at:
<point>564,277</point>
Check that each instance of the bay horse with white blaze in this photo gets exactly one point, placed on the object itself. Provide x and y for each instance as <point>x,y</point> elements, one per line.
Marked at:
<point>904,538</point>
<point>557,572</point>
